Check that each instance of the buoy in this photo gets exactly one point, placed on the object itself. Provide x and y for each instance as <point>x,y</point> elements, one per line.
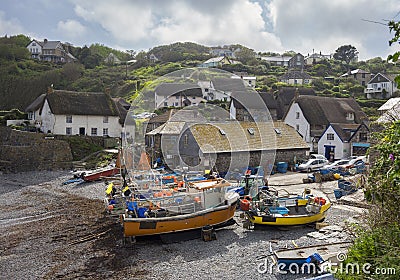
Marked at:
<point>110,207</point>
<point>244,204</point>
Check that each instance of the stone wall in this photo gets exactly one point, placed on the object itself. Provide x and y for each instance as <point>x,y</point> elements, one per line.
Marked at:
<point>27,151</point>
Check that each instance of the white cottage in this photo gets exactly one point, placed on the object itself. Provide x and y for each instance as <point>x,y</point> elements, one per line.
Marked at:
<point>70,113</point>
<point>311,115</point>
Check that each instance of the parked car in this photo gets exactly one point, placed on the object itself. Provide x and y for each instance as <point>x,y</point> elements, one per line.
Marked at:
<point>355,161</point>
<point>337,163</point>
<point>313,164</point>
<point>317,156</point>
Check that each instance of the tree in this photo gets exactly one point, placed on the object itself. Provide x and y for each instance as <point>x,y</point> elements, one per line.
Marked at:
<point>347,54</point>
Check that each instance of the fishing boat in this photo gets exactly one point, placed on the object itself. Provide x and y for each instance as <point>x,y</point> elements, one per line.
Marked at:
<point>268,208</point>
<point>98,174</point>
<point>199,204</point>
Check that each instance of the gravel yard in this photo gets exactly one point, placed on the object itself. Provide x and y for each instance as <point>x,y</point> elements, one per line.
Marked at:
<point>49,230</point>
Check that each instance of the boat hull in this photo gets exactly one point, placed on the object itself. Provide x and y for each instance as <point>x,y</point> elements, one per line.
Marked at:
<point>291,220</point>
<point>98,175</point>
<point>154,226</point>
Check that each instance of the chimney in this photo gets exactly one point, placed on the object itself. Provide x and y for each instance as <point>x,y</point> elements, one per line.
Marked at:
<point>50,89</point>
<point>45,40</point>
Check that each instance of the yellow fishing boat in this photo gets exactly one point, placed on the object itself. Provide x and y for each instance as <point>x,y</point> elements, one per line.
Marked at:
<point>268,209</point>
<point>203,203</point>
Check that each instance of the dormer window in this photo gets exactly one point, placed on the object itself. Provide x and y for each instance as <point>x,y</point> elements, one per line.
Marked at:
<point>222,132</point>
<point>350,116</point>
<point>251,131</point>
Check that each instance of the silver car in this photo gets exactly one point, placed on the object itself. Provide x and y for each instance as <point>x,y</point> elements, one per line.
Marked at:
<point>313,164</point>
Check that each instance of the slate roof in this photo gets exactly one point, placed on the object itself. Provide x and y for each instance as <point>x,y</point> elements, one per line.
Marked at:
<point>346,131</point>
<point>237,137</point>
<point>50,45</point>
<point>172,89</point>
<point>63,102</point>
<point>168,128</point>
<point>122,108</point>
<point>229,85</point>
<point>320,110</point>
<point>380,78</point>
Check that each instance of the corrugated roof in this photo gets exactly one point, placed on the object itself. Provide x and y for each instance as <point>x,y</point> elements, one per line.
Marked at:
<point>63,102</point>
<point>237,138</point>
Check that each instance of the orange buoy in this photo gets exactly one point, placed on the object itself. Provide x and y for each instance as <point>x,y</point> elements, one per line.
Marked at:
<point>244,204</point>
<point>110,207</point>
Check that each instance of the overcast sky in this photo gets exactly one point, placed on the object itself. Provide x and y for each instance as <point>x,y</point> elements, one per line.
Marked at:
<point>273,25</point>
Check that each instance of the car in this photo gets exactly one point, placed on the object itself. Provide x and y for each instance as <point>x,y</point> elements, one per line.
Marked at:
<point>355,161</point>
<point>337,163</point>
<point>312,164</point>
<point>317,156</point>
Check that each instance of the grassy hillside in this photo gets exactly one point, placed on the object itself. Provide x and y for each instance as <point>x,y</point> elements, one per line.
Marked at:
<point>22,79</point>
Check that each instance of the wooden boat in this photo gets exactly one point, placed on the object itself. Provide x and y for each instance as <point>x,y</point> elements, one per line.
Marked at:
<point>100,173</point>
<point>266,208</point>
<point>205,203</point>
<point>311,254</point>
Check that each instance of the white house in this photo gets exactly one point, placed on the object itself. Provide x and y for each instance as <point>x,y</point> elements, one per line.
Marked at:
<point>296,78</point>
<point>177,95</point>
<point>71,113</point>
<point>311,115</point>
<point>277,60</point>
<point>381,86</point>
<point>343,140</point>
<point>53,51</point>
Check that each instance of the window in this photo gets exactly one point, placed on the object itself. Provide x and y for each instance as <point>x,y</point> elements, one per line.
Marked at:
<point>297,115</point>
<point>105,131</point>
<point>363,136</point>
<point>330,136</point>
<point>350,116</point>
<point>94,131</point>
<point>297,127</point>
<point>68,119</point>
<point>31,116</point>
<point>166,104</point>
<point>363,75</point>
<point>194,97</point>
<point>176,104</point>
<point>206,90</point>
<point>185,139</point>
<point>251,131</point>
<point>33,44</point>
<point>105,119</point>
<point>177,96</point>
<point>68,130</point>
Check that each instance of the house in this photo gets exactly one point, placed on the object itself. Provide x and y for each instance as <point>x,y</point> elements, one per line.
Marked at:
<point>294,77</point>
<point>296,62</point>
<point>153,58</point>
<point>277,60</point>
<point>212,94</point>
<point>217,61</point>
<point>381,86</point>
<point>285,96</point>
<point>255,105</point>
<point>235,145</point>
<point>361,76</point>
<point>248,80</point>
<point>314,58</point>
<point>311,115</point>
<point>390,111</point>
<point>84,113</point>
<point>112,59</point>
<point>344,140</point>
<point>53,51</point>
<point>177,95</point>
<point>227,145</point>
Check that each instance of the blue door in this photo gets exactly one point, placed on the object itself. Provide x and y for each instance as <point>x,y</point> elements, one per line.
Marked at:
<point>330,152</point>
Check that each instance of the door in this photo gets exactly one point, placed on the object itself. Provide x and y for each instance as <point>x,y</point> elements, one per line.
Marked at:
<point>82,131</point>
<point>330,152</point>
